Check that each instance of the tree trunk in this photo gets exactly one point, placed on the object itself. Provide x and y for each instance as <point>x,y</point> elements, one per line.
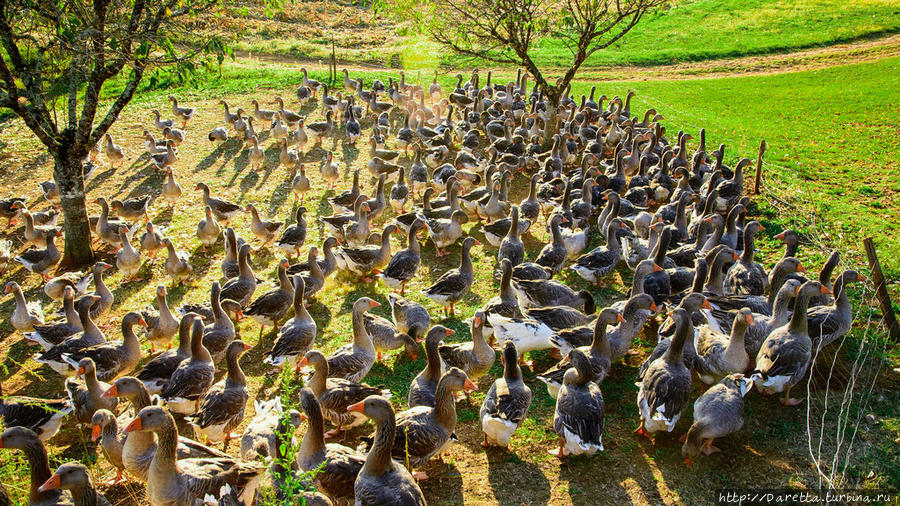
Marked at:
<point>69,176</point>
<point>550,127</point>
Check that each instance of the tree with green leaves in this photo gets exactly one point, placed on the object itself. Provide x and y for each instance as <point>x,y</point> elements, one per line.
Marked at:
<point>506,31</point>
<point>58,55</point>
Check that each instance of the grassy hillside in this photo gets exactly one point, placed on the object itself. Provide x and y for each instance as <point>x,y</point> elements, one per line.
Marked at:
<point>690,30</point>
<point>828,141</point>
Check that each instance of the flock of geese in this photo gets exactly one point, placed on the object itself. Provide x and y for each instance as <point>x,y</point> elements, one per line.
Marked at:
<point>676,218</point>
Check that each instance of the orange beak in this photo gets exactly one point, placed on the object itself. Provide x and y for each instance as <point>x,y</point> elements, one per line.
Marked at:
<point>358,407</point>
<point>653,307</point>
<point>749,319</point>
<point>688,462</point>
<point>52,483</point>
<point>735,256</point>
<point>142,322</point>
<point>303,417</point>
<point>95,432</point>
<point>476,321</point>
<point>135,425</point>
<point>111,392</point>
<point>247,347</point>
<point>620,318</point>
<point>478,243</point>
<point>780,236</point>
<point>303,361</point>
<point>373,303</point>
<point>79,372</point>
<point>469,386</point>
<point>450,332</point>
<point>761,228</point>
<point>656,268</point>
<point>706,304</point>
<point>414,356</point>
<point>826,290</point>
<point>239,315</point>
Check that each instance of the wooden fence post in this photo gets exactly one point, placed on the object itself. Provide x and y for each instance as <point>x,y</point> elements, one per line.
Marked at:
<point>884,300</point>
<point>762,150</point>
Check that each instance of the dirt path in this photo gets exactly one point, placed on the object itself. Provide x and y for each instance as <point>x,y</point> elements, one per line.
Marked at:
<point>808,59</point>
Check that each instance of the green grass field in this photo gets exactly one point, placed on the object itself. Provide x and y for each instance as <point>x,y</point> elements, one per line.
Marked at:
<point>686,31</point>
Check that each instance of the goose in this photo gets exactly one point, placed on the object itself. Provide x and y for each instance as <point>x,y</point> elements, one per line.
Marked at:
<point>599,353</point>
<point>296,336</point>
<point>410,317</point>
<point>382,479</point>
<point>747,277</point>
<point>601,261</point>
<point>182,113</point>
<point>399,194</point>
<point>294,236</point>
<point>474,358</point>
<point>192,378</point>
<point>784,356</point>
<point>403,265</point>
<point>424,431</point>
<point>506,403</point>
<point>336,394</point>
<point>369,258</point>
<point>73,476</point>
<point>554,255</point>
<point>128,259</point>
<point>42,261</point>
<point>173,134</point>
<point>86,395</point>
<point>829,323</point>
<point>311,84</point>
<point>300,183</point>
<point>329,170</point>
<point>717,413</point>
<point>719,355</point>
<point>336,466</point>
<point>512,248</point>
<point>218,135</point>
<point>50,191</point>
<point>444,232</point>
<point>26,314</point>
<point>156,373</point>
<point>354,360</point>
<point>264,230</point>
<point>132,209</point>
<point>177,265</point>
<point>423,387</point>
<point>223,210</point>
<point>454,284</point>
<point>35,235</point>
<point>545,292</point>
<point>171,480</point>
<point>321,129</point>
<point>152,239</point>
<point>107,229</point>
<point>579,414</point>
<point>208,229</point>
<point>262,436</point>
<point>5,254</point>
<point>112,359</point>
<point>255,155</point>
<point>26,441</point>
<point>161,324</point>
<point>665,386</point>
<point>114,153</point>
<point>54,356</point>
<point>43,416</point>
<point>105,431</point>
<point>222,407</point>
<point>50,335</point>
<point>262,114</point>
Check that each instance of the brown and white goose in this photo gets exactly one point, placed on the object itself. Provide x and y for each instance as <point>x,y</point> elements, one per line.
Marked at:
<point>26,314</point>
<point>221,332</point>
<point>270,307</point>
<point>113,358</point>
<point>829,323</point>
<point>161,324</point>
<point>579,414</point>
<point>403,265</point>
<point>89,336</point>
<point>174,481</point>
<point>383,480</point>
<point>475,357</point>
<point>86,395</point>
<point>665,386</point>
<point>424,385</point>
<point>73,476</point>
<point>241,287</point>
<point>454,284</point>
<point>719,355</point>
<point>223,210</point>
<point>717,413</point>
<point>43,416</point>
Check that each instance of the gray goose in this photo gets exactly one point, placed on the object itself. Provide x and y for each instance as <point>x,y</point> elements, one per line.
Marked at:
<point>86,396</point>
<point>665,386</point>
<point>476,357</point>
<point>719,355</point>
<point>26,441</point>
<point>512,248</point>
<point>410,317</point>
<point>296,336</point>
<point>42,261</point>
<point>403,265</point>
<point>222,408</point>
<point>336,466</point>
<point>424,385</point>
<point>73,476</point>
<point>113,358</point>
<point>598,353</point>
<point>294,236</point>
<point>506,402</point>
<point>156,373</point>
<point>829,323</point>
<point>717,413</point>
<point>270,307</point>
<point>504,304</point>
<point>241,288</point>
<point>138,448</point>
<point>383,480</point>
<point>747,277</point>
<point>161,324</point>
<point>223,210</point>
<point>192,378</point>
<point>336,394</point>
<point>579,414</point>
<point>183,481</point>
<point>43,416</point>
<point>219,334</point>
<point>89,336</point>
<point>455,283</point>
<point>424,431</point>
<point>353,360</point>
<point>386,337</point>
<point>784,357</point>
